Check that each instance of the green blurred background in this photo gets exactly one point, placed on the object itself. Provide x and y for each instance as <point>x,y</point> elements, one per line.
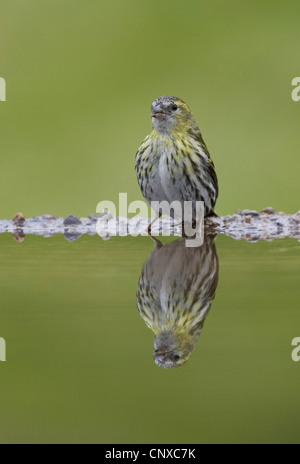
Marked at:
<point>81,77</point>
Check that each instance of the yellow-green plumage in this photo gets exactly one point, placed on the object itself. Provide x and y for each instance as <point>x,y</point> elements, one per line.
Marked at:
<point>175,291</point>
<point>173,162</point>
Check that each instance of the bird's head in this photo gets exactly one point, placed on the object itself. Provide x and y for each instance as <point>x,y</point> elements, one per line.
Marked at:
<point>173,348</point>
<point>170,115</point>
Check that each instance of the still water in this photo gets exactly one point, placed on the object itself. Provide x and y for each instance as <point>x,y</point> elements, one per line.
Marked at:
<point>89,326</point>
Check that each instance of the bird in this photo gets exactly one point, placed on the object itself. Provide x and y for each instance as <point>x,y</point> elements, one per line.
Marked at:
<point>175,290</point>
<point>173,162</point>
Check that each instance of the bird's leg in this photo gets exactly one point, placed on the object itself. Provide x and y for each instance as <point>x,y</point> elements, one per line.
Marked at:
<point>157,216</point>
<point>157,243</point>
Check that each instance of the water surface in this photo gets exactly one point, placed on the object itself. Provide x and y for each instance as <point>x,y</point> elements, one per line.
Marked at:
<point>79,355</point>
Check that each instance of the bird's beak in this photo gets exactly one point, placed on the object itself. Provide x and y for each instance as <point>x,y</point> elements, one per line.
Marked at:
<point>162,351</point>
<point>158,113</point>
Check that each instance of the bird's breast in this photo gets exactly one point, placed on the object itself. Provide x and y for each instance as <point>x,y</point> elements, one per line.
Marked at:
<point>170,171</point>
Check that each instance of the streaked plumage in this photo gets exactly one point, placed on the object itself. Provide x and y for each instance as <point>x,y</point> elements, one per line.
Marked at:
<point>173,162</point>
<point>174,295</point>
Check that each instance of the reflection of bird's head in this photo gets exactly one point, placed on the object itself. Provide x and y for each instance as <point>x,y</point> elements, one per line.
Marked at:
<point>175,290</point>
<point>172,348</point>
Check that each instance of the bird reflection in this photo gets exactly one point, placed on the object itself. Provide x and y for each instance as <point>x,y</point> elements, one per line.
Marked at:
<point>174,295</point>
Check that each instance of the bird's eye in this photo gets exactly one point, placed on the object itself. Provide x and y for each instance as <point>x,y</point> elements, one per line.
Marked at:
<point>176,357</point>
<point>174,107</point>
